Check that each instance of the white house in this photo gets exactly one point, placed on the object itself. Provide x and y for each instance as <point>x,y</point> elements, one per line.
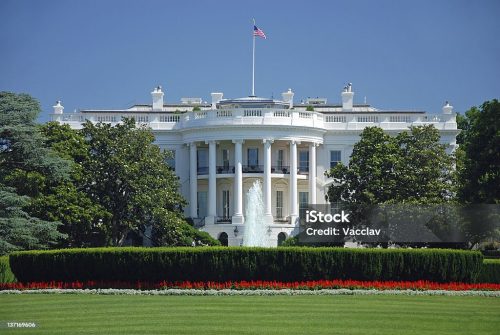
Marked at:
<point>221,148</point>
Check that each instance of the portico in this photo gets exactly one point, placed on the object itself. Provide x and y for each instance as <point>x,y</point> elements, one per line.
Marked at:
<point>278,167</point>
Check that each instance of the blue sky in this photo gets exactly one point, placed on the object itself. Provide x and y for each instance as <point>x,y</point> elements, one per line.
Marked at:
<point>110,54</point>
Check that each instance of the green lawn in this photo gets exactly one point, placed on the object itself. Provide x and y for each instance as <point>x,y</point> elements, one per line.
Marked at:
<point>99,314</point>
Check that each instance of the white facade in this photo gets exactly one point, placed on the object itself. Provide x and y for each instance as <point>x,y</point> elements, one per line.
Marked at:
<point>222,148</point>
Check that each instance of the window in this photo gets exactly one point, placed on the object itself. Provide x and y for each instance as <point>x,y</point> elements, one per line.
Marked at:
<point>400,118</point>
<point>202,161</point>
<point>281,238</point>
<point>279,204</point>
<point>225,159</point>
<point>367,118</point>
<point>223,239</point>
<point>303,203</point>
<point>225,204</point>
<point>304,161</point>
<point>170,161</point>
<point>202,204</point>
<point>142,119</point>
<point>106,118</point>
<point>281,156</point>
<point>253,157</point>
<point>335,157</point>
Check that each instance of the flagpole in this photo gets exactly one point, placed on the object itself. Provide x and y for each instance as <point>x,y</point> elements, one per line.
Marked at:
<point>253,61</point>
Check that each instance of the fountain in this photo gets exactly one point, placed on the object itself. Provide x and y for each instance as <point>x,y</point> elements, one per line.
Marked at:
<point>255,230</point>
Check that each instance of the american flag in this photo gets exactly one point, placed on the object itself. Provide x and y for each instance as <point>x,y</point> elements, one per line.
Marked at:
<point>258,32</point>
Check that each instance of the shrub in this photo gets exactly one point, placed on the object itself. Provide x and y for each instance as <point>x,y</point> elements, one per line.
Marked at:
<point>236,264</point>
<point>490,271</point>
<point>6,275</point>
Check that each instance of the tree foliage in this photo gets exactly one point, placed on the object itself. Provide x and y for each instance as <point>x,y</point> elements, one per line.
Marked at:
<point>126,173</point>
<point>27,167</point>
<point>25,162</point>
<point>479,143</point>
<point>411,167</point>
<point>19,230</point>
<point>66,201</point>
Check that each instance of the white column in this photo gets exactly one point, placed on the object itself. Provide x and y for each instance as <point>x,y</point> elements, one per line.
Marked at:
<point>212,185</point>
<point>238,182</point>
<point>312,173</point>
<point>193,180</point>
<point>268,216</point>
<point>293,182</point>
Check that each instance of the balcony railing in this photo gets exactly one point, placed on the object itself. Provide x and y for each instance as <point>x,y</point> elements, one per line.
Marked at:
<point>230,169</point>
<point>253,168</point>
<point>225,169</point>
<point>223,219</point>
<point>265,116</point>
<point>285,169</point>
<point>282,220</point>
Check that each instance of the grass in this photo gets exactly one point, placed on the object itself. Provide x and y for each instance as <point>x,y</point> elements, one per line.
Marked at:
<point>99,314</point>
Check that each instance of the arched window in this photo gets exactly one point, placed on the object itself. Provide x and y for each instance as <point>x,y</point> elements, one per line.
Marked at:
<point>223,239</point>
<point>281,238</point>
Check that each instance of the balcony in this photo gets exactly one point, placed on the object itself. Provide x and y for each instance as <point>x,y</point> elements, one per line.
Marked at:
<point>223,220</point>
<point>230,169</point>
<point>266,117</point>
<point>224,169</point>
<point>281,220</point>
<point>253,168</point>
<point>284,169</point>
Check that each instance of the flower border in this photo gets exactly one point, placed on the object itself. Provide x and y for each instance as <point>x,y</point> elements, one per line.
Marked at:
<point>312,285</point>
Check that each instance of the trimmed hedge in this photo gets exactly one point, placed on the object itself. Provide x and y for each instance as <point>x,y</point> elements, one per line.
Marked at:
<point>6,275</point>
<point>241,263</point>
<point>490,271</point>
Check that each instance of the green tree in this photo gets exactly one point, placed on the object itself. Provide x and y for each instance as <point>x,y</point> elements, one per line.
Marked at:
<point>27,166</point>
<point>82,219</point>
<point>126,174</point>
<point>409,167</point>
<point>25,162</point>
<point>169,228</point>
<point>19,230</point>
<point>479,153</point>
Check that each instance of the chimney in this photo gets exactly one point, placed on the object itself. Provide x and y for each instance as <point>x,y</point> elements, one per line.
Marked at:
<point>347,98</point>
<point>58,108</point>
<point>157,95</point>
<point>288,97</point>
<point>447,108</point>
<point>58,111</point>
<point>216,98</point>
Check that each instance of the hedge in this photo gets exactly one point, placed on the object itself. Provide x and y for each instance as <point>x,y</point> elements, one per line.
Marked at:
<point>241,263</point>
<point>6,275</point>
<point>490,271</point>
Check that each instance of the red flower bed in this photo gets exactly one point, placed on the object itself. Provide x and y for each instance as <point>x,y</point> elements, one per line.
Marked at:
<point>253,285</point>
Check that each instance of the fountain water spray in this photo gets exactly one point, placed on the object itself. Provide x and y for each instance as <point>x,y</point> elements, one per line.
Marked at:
<point>255,230</point>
